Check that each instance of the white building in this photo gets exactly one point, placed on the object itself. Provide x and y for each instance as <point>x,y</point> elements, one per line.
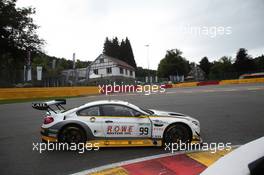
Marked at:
<point>106,66</point>
<point>104,69</point>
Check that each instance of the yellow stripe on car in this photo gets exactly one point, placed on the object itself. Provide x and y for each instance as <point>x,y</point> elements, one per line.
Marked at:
<point>125,143</point>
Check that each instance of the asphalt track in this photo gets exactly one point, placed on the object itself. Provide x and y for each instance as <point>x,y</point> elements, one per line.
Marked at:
<point>230,113</point>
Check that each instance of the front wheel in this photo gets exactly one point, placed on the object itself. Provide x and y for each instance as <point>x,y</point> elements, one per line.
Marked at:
<point>72,134</point>
<point>177,134</point>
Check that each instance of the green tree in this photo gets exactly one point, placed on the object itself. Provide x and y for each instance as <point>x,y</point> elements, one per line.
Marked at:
<point>115,48</point>
<point>205,65</point>
<point>222,69</point>
<point>107,48</point>
<point>111,47</point>
<point>17,37</point>
<point>244,63</point>
<point>141,72</point>
<point>173,64</point>
<point>259,62</point>
<point>126,53</point>
<point>122,51</point>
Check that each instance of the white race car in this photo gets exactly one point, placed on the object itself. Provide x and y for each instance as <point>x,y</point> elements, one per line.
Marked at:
<point>115,123</point>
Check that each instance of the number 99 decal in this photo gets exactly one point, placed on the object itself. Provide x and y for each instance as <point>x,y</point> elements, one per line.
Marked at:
<point>143,130</point>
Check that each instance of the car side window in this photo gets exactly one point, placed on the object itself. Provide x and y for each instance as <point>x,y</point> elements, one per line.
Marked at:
<point>117,110</point>
<point>90,111</point>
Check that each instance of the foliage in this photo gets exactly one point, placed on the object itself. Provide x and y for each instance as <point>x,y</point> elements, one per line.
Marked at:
<point>60,64</point>
<point>259,62</point>
<point>17,37</point>
<point>173,64</point>
<point>222,69</point>
<point>244,63</point>
<point>122,51</point>
<point>205,65</point>
<point>141,72</point>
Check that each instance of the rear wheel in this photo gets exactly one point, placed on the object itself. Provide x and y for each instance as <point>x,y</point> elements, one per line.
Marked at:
<point>72,134</point>
<point>176,134</point>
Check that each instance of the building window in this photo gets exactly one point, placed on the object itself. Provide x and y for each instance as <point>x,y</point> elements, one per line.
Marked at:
<point>121,70</point>
<point>101,60</point>
<point>126,71</point>
<point>95,71</point>
<point>109,70</point>
<point>131,73</point>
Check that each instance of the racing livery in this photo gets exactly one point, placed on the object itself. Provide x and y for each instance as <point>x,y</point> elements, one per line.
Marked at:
<point>115,123</point>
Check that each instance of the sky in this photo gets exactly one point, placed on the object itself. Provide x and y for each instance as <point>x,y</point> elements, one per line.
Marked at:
<point>212,28</point>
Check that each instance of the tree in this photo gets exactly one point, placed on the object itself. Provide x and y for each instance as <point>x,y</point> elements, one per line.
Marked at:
<point>222,69</point>
<point>259,62</point>
<point>107,47</point>
<point>173,64</point>
<point>243,62</point>
<point>17,37</point>
<point>141,72</point>
<point>111,47</point>
<point>115,48</point>
<point>205,65</point>
<point>122,51</point>
<point>130,55</point>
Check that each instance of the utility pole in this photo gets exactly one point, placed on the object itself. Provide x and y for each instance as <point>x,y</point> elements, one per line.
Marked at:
<point>74,70</point>
<point>27,68</point>
<point>147,45</point>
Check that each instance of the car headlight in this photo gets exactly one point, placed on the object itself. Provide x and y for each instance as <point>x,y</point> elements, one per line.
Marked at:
<point>195,122</point>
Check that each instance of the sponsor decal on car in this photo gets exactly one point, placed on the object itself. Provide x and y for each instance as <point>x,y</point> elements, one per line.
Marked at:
<point>158,129</point>
<point>116,130</point>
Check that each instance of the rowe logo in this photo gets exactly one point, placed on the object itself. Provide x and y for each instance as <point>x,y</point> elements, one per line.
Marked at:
<point>119,129</point>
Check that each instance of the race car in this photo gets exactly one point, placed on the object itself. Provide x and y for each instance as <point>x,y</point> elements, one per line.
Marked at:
<point>115,123</point>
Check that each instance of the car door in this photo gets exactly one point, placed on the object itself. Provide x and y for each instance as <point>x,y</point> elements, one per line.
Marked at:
<point>120,121</point>
<point>91,116</point>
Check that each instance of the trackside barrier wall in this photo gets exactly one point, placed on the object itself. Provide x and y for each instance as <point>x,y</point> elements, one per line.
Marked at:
<point>222,82</point>
<point>241,81</point>
<point>205,83</point>
<point>189,84</point>
<point>31,93</point>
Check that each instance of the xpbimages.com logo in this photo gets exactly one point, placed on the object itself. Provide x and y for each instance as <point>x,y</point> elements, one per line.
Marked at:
<point>54,146</point>
<point>144,89</point>
<point>212,147</point>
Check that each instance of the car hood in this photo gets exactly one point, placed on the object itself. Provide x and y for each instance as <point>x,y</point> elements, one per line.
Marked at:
<point>169,114</point>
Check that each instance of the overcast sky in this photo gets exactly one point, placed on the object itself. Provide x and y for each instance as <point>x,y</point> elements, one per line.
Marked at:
<point>81,26</point>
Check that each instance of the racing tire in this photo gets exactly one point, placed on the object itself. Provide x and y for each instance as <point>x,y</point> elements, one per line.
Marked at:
<point>177,134</point>
<point>72,134</point>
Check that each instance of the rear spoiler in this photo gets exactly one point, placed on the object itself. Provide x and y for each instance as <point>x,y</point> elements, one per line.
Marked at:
<point>47,105</point>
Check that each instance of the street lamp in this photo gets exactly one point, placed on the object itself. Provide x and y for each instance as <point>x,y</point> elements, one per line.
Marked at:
<point>147,45</point>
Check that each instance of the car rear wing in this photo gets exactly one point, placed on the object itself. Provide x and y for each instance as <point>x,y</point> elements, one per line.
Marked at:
<point>47,105</point>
